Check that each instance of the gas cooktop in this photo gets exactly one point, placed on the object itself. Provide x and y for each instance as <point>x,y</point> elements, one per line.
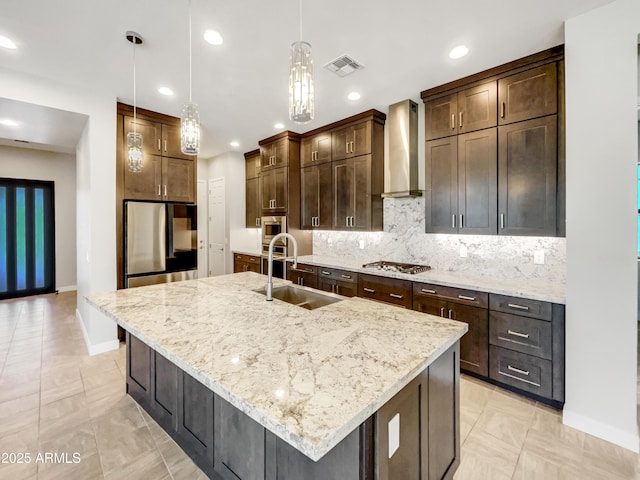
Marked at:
<point>397,267</point>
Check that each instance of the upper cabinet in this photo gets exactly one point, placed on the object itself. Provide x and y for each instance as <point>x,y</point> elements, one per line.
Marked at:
<point>315,149</point>
<point>167,174</point>
<point>351,141</point>
<point>494,156</point>
<point>529,94</point>
<point>466,111</point>
<point>252,189</point>
<point>274,154</point>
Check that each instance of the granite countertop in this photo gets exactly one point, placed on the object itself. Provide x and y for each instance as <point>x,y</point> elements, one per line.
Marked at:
<point>533,289</point>
<point>310,377</point>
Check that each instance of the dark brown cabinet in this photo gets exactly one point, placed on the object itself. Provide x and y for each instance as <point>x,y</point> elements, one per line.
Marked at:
<point>139,371</point>
<point>354,203</point>
<point>465,306</point>
<point>164,391</point>
<point>461,179</point>
<point>469,110</point>
<point>527,181</point>
<point>342,282</point>
<point>274,190</point>
<point>351,141</point>
<point>384,289</point>
<point>253,210</point>
<point>512,182</point>
<point>315,149</point>
<point>246,263</point>
<point>274,154</point>
<point>195,418</point>
<point>315,197</point>
<point>529,94</point>
<point>304,275</point>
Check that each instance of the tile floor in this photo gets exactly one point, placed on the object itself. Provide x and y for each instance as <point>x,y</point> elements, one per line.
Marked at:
<point>56,398</point>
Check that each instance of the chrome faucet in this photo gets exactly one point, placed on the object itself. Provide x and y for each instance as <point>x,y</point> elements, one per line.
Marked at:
<point>269,288</point>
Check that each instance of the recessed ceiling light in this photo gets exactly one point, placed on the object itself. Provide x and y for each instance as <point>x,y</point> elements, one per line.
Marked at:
<point>8,122</point>
<point>7,42</point>
<point>165,91</point>
<point>279,125</point>
<point>353,96</point>
<point>213,37</point>
<point>458,52</point>
<point>235,144</point>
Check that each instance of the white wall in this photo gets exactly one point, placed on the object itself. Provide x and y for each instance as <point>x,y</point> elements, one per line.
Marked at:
<point>601,333</point>
<point>95,183</point>
<point>30,164</point>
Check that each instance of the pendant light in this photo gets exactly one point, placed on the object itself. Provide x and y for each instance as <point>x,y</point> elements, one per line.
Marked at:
<point>190,119</point>
<point>300,80</point>
<point>134,139</point>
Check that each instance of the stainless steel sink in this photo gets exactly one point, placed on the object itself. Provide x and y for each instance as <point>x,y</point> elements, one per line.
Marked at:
<point>302,296</point>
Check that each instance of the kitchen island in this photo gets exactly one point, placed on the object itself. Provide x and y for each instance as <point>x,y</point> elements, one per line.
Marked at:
<point>254,389</point>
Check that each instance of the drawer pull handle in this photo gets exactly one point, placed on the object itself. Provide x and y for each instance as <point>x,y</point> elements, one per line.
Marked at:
<point>517,370</point>
<point>324,272</point>
<point>426,290</point>
<point>442,312</point>
<point>346,276</point>
<point>518,334</point>
<point>518,307</point>
<point>370,290</point>
<point>465,297</point>
<point>395,295</point>
<point>450,314</point>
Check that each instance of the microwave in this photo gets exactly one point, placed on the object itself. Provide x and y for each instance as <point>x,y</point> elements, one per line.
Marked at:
<point>272,226</point>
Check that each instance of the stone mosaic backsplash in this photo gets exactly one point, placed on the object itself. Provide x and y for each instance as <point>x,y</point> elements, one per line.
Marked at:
<point>404,240</point>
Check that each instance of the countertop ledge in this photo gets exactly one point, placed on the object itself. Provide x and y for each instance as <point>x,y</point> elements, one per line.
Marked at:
<point>310,377</point>
<point>523,288</point>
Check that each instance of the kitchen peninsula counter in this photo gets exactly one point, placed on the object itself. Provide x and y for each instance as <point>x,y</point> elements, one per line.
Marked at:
<point>309,377</point>
<point>524,288</point>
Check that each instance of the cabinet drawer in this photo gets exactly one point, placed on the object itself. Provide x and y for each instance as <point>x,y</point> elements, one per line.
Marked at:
<point>520,370</point>
<point>303,268</point>
<point>526,335</point>
<point>335,274</point>
<point>246,258</point>
<point>520,306</point>
<point>303,275</point>
<point>384,289</point>
<point>346,289</point>
<point>457,295</point>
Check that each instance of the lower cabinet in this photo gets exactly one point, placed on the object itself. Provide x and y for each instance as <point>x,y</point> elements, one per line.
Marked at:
<point>304,275</point>
<point>414,436</point>
<point>246,263</point>
<point>342,282</point>
<point>383,289</point>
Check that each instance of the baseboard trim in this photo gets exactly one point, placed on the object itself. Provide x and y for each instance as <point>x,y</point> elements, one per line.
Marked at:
<point>68,288</point>
<point>601,430</point>
<point>100,347</point>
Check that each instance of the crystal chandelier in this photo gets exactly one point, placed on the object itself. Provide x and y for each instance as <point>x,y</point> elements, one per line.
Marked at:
<point>190,119</point>
<point>300,80</point>
<point>134,139</point>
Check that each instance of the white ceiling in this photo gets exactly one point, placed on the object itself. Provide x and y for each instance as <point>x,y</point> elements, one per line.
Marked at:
<point>241,86</point>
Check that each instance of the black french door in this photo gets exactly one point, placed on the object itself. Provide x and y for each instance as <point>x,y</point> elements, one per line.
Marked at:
<point>27,258</point>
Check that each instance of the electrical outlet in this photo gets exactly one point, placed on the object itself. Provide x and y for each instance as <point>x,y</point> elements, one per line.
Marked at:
<point>463,251</point>
<point>361,244</point>
<point>538,257</point>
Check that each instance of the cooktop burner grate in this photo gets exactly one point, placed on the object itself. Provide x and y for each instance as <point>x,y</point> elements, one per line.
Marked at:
<point>397,267</point>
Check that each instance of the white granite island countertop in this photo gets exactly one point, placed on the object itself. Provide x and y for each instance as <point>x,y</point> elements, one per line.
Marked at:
<point>308,376</point>
<point>524,288</point>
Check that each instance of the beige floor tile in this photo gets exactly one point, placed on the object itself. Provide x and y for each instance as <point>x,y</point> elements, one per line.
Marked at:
<point>480,447</point>
<point>105,398</point>
<point>16,471</point>
<point>93,380</point>
<point>602,456</point>
<point>149,465</point>
<point>63,414</point>
<point>19,421</point>
<point>552,448</point>
<point>532,466</point>
<point>88,467</point>
<point>13,385</point>
<point>503,426</point>
<point>23,442</point>
<point>79,438</point>
<point>178,462</point>
<point>474,394</point>
<point>467,422</point>
<point>513,404</point>
<point>478,467</point>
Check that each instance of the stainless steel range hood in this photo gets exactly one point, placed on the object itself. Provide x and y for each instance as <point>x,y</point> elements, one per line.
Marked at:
<point>401,166</point>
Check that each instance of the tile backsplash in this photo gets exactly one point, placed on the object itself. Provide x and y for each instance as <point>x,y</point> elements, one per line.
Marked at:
<point>404,240</point>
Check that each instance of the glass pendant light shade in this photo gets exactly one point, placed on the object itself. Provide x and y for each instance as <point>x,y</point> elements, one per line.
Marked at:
<point>134,151</point>
<point>301,83</point>
<point>190,129</point>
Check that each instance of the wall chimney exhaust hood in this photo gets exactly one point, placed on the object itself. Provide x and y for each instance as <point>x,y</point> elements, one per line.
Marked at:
<point>401,166</point>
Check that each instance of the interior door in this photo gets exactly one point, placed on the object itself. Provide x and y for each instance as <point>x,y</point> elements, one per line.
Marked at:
<point>203,267</point>
<point>217,227</point>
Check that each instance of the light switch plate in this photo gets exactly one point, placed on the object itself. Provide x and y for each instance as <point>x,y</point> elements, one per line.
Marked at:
<point>538,257</point>
<point>394,434</point>
<point>463,251</point>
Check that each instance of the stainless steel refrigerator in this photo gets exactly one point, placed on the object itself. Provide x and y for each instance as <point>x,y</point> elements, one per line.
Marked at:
<point>160,243</point>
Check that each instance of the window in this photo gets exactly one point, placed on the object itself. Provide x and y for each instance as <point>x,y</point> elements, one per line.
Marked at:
<point>27,260</point>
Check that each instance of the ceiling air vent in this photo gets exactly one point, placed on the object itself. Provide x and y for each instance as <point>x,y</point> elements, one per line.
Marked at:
<point>343,65</point>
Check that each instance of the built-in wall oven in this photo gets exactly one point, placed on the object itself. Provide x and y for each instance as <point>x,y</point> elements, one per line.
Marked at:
<point>272,226</point>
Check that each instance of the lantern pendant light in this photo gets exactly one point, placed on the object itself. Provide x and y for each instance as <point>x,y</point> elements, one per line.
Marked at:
<point>301,80</point>
<point>134,139</point>
<point>190,119</point>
